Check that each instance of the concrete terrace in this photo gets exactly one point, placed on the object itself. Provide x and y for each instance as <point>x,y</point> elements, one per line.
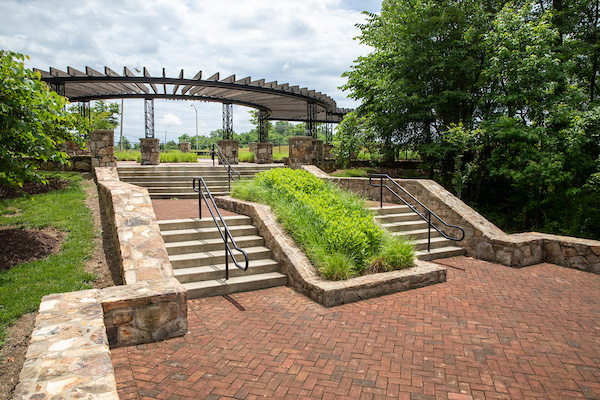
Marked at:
<point>489,332</point>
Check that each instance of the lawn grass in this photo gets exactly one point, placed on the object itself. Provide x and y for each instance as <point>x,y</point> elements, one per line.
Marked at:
<point>23,286</point>
<point>278,153</point>
<point>354,172</point>
<point>127,155</point>
<point>169,156</point>
<point>332,226</point>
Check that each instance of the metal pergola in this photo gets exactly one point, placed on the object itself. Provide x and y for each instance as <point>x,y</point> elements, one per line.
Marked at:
<point>275,101</point>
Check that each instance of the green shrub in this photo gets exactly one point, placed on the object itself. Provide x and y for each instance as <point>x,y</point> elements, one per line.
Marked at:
<point>245,155</point>
<point>127,155</point>
<point>333,227</point>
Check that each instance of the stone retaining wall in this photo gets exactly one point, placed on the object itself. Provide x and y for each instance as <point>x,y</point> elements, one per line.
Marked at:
<point>483,239</point>
<point>81,163</point>
<point>69,353</point>
<point>303,277</point>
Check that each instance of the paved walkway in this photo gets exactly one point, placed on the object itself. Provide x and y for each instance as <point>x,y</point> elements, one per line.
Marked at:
<point>489,332</point>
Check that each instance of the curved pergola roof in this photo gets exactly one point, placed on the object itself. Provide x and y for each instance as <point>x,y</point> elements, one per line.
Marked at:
<point>280,101</point>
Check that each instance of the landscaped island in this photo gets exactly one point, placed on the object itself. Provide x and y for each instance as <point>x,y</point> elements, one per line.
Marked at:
<point>332,226</point>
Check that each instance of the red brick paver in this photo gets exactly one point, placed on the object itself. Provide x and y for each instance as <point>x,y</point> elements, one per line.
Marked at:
<point>166,209</point>
<point>489,332</point>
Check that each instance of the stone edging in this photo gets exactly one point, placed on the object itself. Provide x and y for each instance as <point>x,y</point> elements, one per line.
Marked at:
<point>303,277</point>
<point>69,354</point>
<point>483,239</point>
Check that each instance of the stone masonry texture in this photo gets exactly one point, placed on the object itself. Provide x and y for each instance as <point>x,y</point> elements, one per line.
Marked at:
<point>488,332</point>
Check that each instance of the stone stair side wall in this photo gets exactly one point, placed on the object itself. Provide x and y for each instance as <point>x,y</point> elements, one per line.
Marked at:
<point>69,353</point>
<point>303,276</point>
<point>483,239</point>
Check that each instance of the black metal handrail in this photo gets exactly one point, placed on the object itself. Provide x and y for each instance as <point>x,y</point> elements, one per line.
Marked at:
<point>429,212</point>
<point>223,230</point>
<point>216,150</point>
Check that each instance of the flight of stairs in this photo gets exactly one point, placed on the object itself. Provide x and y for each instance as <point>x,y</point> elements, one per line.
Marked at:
<point>175,181</point>
<point>401,220</point>
<point>197,254</point>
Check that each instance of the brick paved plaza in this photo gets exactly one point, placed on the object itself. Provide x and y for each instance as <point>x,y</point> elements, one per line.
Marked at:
<point>489,332</point>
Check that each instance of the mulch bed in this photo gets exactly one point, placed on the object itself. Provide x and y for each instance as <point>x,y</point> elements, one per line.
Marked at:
<point>8,192</point>
<point>24,245</point>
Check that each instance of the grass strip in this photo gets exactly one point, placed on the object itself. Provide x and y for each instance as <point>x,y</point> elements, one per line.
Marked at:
<point>332,226</point>
<point>23,286</point>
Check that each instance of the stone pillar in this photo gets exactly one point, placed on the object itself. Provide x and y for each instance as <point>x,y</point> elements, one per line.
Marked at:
<point>185,147</point>
<point>327,147</point>
<point>101,145</point>
<point>301,151</point>
<point>317,151</point>
<point>263,153</point>
<point>252,148</point>
<point>230,148</point>
<point>149,147</point>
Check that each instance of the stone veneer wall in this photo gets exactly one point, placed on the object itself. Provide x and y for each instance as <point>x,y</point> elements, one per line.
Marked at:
<point>482,238</point>
<point>150,151</point>
<point>69,355</point>
<point>80,163</point>
<point>303,276</point>
<point>230,149</point>
<point>185,147</point>
<point>101,145</point>
<point>263,153</point>
<point>301,151</point>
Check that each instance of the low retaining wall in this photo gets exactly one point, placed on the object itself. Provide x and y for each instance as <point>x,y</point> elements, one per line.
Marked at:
<point>69,355</point>
<point>483,239</point>
<point>82,163</point>
<point>303,277</point>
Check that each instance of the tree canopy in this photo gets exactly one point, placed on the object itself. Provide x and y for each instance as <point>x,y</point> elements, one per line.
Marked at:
<point>500,97</point>
<point>33,122</point>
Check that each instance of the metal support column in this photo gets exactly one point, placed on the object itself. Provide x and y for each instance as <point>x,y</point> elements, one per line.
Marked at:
<point>263,126</point>
<point>328,128</point>
<point>311,119</point>
<point>227,121</point>
<point>59,88</point>
<point>85,110</point>
<point>149,117</point>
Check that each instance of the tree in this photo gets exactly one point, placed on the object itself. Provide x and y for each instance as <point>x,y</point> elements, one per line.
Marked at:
<point>126,143</point>
<point>102,115</point>
<point>33,122</point>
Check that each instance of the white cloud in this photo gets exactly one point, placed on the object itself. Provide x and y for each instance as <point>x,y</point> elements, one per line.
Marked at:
<point>307,43</point>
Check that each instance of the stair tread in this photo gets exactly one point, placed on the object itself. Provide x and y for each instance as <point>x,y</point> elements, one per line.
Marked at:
<point>237,280</point>
<point>188,231</point>
<point>219,252</point>
<point>200,242</point>
<point>227,218</point>
<point>221,267</point>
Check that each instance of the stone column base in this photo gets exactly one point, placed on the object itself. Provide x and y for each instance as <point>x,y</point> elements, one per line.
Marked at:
<point>230,149</point>
<point>263,153</point>
<point>301,151</point>
<point>101,145</point>
<point>185,147</point>
<point>327,147</point>
<point>317,151</point>
<point>149,147</point>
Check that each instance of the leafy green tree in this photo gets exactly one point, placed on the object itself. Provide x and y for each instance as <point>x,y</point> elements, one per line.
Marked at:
<point>33,122</point>
<point>102,115</point>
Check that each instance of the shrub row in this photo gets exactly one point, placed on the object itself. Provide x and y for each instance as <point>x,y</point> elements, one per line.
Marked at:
<point>332,226</point>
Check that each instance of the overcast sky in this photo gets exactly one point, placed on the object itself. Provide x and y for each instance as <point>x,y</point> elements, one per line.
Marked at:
<point>300,42</point>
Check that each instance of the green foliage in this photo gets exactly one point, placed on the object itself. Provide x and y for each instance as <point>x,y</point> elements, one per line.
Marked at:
<point>130,155</point>
<point>22,286</point>
<point>493,95</point>
<point>33,122</point>
<point>245,155</point>
<point>332,226</point>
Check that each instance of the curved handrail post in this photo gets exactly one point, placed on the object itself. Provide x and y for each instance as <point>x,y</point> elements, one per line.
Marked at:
<point>423,217</point>
<point>223,228</point>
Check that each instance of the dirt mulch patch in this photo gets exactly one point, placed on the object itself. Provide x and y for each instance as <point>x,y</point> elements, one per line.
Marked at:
<point>25,245</point>
<point>31,188</point>
<point>103,263</point>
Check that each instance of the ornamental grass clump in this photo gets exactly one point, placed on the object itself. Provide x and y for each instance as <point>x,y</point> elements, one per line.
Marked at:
<point>332,226</point>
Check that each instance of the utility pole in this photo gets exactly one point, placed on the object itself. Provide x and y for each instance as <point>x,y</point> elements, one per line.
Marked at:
<point>196,128</point>
<point>121,141</point>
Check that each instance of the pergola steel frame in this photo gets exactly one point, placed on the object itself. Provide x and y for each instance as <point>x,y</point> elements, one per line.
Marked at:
<point>281,101</point>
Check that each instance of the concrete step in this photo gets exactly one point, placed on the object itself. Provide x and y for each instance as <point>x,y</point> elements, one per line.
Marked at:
<point>190,195</point>
<point>395,209</point>
<point>233,285</point>
<point>198,246</point>
<point>442,252</point>
<point>210,272</point>
<point>192,223</point>
<point>436,242</point>
<point>417,234</point>
<point>403,226</point>
<point>183,235</point>
<point>391,218</point>
<point>171,189</point>
<point>217,257</point>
